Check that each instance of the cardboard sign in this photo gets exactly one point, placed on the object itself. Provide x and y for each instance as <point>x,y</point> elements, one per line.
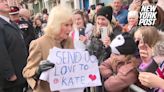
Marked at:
<point>73,69</point>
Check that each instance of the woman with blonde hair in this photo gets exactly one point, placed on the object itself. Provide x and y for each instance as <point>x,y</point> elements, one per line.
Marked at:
<point>103,27</point>
<point>104,32</point>
<point>56,35</point>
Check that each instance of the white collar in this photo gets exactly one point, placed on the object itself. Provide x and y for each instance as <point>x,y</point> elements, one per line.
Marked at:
<point>5,18</point>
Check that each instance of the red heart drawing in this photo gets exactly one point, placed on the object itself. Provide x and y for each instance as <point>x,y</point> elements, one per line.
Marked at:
<point>92,77</point>
<point>56,81</point>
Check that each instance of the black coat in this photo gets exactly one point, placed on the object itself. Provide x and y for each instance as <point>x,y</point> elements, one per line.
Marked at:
<point>13,54</point>
<point>28,31</point>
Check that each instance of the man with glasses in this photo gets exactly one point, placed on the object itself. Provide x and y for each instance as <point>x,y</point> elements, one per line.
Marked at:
<point>12,53</point>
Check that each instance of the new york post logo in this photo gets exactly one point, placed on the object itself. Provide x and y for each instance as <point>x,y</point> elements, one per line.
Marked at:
<point>147,15</point>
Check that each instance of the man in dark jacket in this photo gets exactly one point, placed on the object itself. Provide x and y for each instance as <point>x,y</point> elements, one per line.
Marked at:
<point>13,53</point>
<point>24,23</point>
<point>27,31</point>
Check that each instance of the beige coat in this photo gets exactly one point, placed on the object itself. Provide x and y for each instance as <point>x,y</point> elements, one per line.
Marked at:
<point>39,50</point>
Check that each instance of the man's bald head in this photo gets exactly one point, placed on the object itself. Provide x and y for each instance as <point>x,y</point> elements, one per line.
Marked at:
<point>25,13</point>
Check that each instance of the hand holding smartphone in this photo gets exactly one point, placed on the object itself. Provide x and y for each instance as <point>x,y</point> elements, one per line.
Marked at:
<point>82,31</point>
<point>104,32</point>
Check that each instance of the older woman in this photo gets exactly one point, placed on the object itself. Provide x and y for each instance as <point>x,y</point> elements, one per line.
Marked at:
<point>56,35</point>
<point>132,22</point>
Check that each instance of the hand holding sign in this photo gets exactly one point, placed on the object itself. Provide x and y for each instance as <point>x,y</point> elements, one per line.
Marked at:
<point>73,69</point>
<point>43,66</point>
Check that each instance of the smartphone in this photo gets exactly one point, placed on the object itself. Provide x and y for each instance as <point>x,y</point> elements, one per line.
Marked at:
<point>82,31</point>
<point>104,32</point>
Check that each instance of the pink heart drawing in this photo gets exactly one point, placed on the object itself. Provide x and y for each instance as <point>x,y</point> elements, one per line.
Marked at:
<point>56,81</point>
<point>92,77</point>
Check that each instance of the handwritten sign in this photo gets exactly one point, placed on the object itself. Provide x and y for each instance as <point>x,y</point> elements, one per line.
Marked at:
<point>73,69</point>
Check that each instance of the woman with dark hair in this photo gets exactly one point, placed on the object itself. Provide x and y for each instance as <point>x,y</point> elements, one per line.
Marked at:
<point>38,27</point>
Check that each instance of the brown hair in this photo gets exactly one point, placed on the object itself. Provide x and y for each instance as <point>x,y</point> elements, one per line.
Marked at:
<point>128,59</point>
<point>132,59</point>
<point>81,13</point>
<point>150,35</point>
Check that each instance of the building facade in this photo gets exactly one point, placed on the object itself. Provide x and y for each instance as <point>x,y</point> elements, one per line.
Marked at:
<point>37,5</point>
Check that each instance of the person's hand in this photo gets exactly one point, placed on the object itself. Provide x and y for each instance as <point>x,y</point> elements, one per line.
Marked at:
<point>106,41</point>
<point>43,66</point>
<point>117,24</point>
<point>114,63</point>
<point>135,5</point>
<point>83,38</point>
<point>150,80</point>
<point>145,52</point>
<point>13,78</point>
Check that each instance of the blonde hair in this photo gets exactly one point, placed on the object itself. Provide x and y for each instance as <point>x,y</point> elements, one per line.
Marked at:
<point>96,30</point>
<point>58,15</point>
<point>126,60</point>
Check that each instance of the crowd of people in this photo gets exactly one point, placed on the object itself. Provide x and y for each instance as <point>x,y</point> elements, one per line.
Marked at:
<point>128,53</point>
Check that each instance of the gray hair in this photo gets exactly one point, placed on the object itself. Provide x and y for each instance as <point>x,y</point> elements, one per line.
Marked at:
<point>159,48</point>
